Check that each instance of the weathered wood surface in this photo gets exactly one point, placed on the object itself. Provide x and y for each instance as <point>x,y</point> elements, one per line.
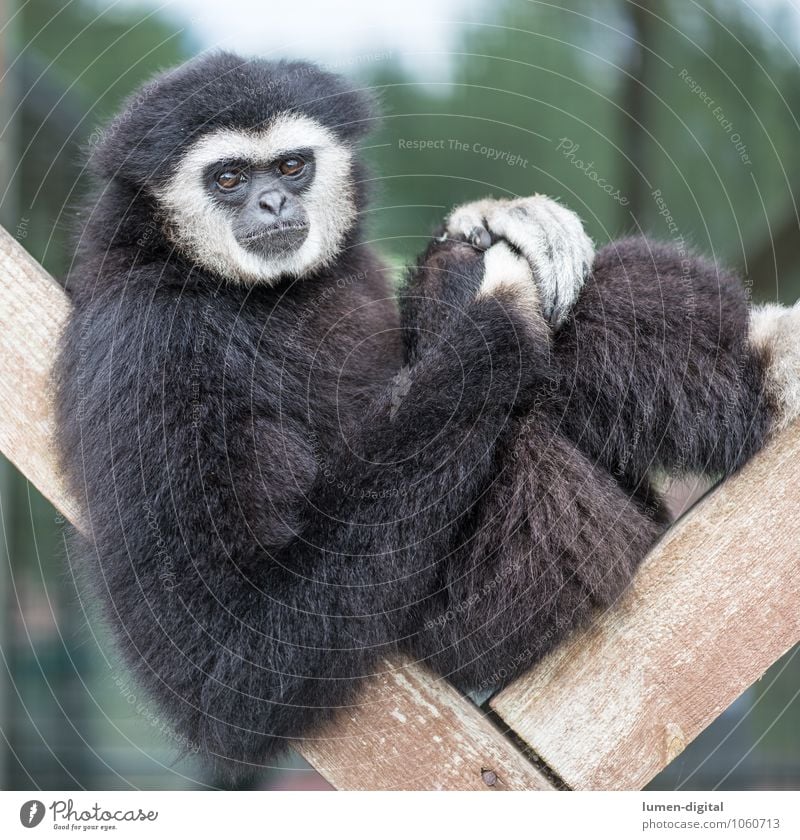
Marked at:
<point>717,602</point>
<point>714,606</point>
<point>32,310</point>
<point>412,730</point>
<point>416,732</point>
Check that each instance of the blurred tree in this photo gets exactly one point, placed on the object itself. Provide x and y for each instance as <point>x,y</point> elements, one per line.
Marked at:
<point>634,100</point>
<point>627,111</point>
<point>74,66</point>
<point>7,218</point>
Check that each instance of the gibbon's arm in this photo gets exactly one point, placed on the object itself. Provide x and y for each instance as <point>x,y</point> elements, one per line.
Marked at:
<point>246,645</point>
<point>663,365</point>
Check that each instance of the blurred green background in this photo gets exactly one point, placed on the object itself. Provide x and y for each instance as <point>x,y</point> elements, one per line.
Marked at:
<point>628,112</point>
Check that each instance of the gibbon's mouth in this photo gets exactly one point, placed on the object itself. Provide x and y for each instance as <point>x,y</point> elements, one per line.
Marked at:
<point>276,239</point>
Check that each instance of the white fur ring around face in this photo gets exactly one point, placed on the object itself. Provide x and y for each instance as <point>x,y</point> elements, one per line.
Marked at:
<point>550,237</point>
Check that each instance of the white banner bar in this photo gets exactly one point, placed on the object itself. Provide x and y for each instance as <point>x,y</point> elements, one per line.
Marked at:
<point>373,816</point>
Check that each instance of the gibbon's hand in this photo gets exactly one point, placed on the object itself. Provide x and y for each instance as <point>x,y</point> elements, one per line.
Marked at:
<point>549,236</point>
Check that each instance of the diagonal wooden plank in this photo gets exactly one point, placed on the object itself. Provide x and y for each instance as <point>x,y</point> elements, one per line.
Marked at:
<point>33,308</point>
<point>411,730</point>
<point>717,602</point>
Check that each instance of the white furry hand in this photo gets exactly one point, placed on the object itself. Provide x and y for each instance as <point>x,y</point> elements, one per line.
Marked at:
<point>550,237</point>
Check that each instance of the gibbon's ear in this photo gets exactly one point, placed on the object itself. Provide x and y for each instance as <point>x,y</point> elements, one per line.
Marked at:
<point>130,147</point>
<point>361,112</point>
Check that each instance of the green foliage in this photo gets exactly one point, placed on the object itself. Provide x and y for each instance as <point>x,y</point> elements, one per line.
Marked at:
<point>711,126</point>
<point>75,64</point>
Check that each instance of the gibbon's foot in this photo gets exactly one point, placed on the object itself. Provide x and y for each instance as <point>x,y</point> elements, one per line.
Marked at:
<point>775,331</point>
<point>550,237</point>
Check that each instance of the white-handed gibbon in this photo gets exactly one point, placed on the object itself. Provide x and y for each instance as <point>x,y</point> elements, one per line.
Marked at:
<point>287,473</point>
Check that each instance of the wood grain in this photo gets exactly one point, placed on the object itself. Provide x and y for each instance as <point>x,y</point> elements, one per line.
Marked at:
<point>717,602</point>
<point>33,308</point>
<point>413,731</point>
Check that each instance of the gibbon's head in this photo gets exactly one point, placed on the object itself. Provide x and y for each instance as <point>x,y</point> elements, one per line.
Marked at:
<point>250,161</point>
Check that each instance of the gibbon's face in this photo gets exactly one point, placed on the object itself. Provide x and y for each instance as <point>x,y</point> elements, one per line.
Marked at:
<point>254,206</point>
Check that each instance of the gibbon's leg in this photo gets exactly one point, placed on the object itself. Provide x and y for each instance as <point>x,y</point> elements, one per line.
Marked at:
<point>552,539</point>
<point>664,366</point>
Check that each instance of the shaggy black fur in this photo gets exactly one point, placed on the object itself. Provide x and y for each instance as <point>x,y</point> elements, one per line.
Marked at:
<point>274,499</point>
<point>652,372</point>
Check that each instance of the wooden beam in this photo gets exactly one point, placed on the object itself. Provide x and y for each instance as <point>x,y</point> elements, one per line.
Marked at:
<point>33,308</point>
<point>714,606</point>
<point>413,730</point>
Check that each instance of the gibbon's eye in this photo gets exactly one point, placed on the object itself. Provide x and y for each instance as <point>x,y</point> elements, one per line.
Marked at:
<point>291,166</point>
<point>230,179</point>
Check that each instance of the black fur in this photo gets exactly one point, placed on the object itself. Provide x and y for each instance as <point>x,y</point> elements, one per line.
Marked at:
<point>651,372</point>
<point>277,494</point>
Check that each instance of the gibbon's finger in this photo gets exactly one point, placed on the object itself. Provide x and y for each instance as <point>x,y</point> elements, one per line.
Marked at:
<point>480,238</point>
<point>468,221</point>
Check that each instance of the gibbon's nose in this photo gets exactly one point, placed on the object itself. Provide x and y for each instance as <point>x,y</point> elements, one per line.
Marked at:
<point>272,201</point>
